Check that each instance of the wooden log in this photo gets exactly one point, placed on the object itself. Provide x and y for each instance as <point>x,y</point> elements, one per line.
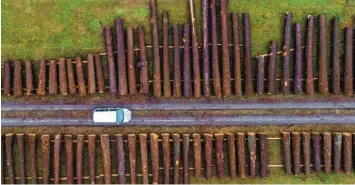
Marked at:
<point>347,152</point>
<point>215,61</point>
<point>156,56</point>
<point>91,74</point>
<point>327,143</point>
<point>166,70</point>
<point>252,153</point>
<point>80,76</point>
<point>2,160</point>
<point>120,159</point>
<point>99,74</point>
<point>177,62</point>
<point>32,157</point>
<point>106,159</point>
<point>241,154</point>
<point>323,62</point>
<point>296,149</point>
<point>226,78</point>
<point>71,80</point>
<point>79,158</point>
<point>285,82</point>
<point>7,77</point>
<point>92,157</point>
<point>186,68</point>
<point>63,82</point>
<point>195,52</point>
<point>219,155</point>
<point>247,57</point>
<point>56,157</point>
<point>130,63</point>
<point>29,78</point>
<point>348,76</point>
<point>264,157</point>
<point>143,62</point>
<point>208,155</point>
<point>298,69</point>
<point>17,79</point>
<point>306,141</point>
<point>316,152</point>
<point>261,75</point>
<point>132,143</point>
<point>41,89</point>
<point>236,52</point>
<point>309,57</point>
<point>9,158</point>
<point>52,81</point>
<point>286,146</point>
<point>232,155</point>
<point>177,160</point>
<point>21,156</point>
<point>110,60</point>
<point>69,158</point>
<point>186,143</point>
<point>205,48</point>
<point>144,157</point>
<point>166,156</point>
<point>335,57</point>
<point>121,59</point>
<point>272,68</point>
<point>337,151</point>
<point>154,152</point>
<point>197,154</point>
<point>45,144</point>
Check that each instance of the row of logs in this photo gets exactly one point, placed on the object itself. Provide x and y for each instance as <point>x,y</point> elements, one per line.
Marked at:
<point>339,82</point>
<point>61,72</point>
<point>143,154</point>
<point>187,85</point>
<point>327,151</point>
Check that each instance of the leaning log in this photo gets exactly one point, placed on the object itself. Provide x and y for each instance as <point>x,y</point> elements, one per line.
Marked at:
<point>205,48</point>
<point>7,77</point>
<point>110,60</point>
<point>335,58</point>
<point>323,62</point>
<point>156,56</point>
<point>143,65</point>
<point>130,63</point>
<point>285,82</point>
<point>226,80</point>
<point>236,53</point>
<point>17,79</point>
<point>63,82</point>
<point>177,62</point>
<point>309,57</point>
<point>166,69</point>
<point>29,77</point>
<point>91,74</point>
<point>348,76</point>
<point>247,57</point>
<point>195,53</point>
<point>121,59</point>
<point>215,61</point>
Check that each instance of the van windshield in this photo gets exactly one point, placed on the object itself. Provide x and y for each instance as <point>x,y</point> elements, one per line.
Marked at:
<point>119,116</point>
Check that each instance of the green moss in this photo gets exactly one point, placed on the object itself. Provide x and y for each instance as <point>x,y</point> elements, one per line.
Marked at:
<point>52,29</point>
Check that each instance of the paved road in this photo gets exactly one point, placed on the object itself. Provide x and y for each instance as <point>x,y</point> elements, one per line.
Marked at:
<point>203,105</point>
<point>188,121</point>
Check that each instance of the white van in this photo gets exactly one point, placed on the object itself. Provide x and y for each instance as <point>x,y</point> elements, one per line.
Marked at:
<point>112,115</point>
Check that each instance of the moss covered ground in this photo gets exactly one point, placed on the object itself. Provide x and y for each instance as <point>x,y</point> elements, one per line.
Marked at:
<point>51,29</point>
